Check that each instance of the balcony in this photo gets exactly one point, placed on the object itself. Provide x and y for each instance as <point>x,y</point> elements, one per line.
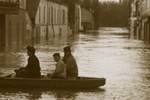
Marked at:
<point>9,7</point>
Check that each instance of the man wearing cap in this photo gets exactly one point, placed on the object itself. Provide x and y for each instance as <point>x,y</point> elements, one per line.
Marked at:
<point>71,65</point>
<point>32,69</point>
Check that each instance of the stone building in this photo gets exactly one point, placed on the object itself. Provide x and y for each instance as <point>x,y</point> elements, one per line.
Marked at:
<point>74,17</point>
<point>49,18</point>
<point>87,20</point>
<point>144,20</point>
<point>141,23</point>
<point>12,22</point>
<point>21,22</point>
<point>132,18</point>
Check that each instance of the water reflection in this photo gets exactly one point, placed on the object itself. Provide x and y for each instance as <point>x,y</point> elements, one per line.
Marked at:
<point>40,93</point>
<point>109,53</point>
<point>17,94</point>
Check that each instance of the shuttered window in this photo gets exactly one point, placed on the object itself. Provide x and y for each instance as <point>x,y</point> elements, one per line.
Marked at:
<point>9,33</point>
<point>18,32</point>
<point>51,15</point>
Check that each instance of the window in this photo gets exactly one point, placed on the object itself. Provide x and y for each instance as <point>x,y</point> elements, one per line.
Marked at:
<point>17,32</point>
<point>54,16</point>
<point>63,16</point>
<point>44,14</point>
<point>51,15</point>
<point>10,37</point>
<point>39,14</point>
<point>60,20</point>
<point>58,16</point>
<point>78,13</point>
<point>23,35</point>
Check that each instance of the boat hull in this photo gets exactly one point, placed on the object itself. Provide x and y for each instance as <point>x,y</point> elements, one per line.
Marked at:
<point>83,82</point>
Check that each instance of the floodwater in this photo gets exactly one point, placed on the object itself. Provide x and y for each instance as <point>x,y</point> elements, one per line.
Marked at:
<point>108,53</point>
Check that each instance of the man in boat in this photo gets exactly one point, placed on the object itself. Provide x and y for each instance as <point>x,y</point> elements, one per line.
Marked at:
<point>60,70</point>
<point>71,65</point>
<point>32,69</point>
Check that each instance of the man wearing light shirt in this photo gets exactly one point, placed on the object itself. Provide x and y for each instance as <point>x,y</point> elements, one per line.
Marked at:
<point>60,71</point>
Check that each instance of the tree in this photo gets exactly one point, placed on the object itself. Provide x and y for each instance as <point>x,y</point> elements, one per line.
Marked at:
<point>87,4</point>
<point>113,14</point>
<point>93,7</point>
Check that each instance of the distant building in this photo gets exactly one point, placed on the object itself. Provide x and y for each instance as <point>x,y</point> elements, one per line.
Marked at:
<point>49,18</point>
<point>74,17</point>
<point>141,23</point>
<point>144,20</point>
<point>87,20</point>
<point>78,17</point>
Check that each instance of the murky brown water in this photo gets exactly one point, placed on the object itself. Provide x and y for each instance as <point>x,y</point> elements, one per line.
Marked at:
<point>109,53</point>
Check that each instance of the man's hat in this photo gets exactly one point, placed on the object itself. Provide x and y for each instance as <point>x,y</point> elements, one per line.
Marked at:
<point>56,54</point>
<point>67,49</point>
<point>30,49</point>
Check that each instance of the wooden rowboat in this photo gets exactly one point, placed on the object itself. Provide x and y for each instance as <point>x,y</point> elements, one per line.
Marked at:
<point>81,82</point>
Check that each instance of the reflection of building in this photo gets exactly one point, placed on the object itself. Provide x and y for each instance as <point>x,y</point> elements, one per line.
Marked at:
<point>12,21</point>
<point>141,13</point>
<point>77,17</point>
<point>132,18</point>
<point>87,20</point>
<point>74,14</point>
<point>49,18</point>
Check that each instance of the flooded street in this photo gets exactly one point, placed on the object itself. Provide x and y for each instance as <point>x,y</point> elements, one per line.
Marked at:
<point>108,53</point>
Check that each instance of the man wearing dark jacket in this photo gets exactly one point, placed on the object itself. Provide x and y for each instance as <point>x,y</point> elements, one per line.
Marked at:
<point>71,65</point>
<point>32,70</point>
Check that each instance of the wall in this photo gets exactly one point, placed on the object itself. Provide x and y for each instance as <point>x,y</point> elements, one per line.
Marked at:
<point>51,19</point>
<point>64,26</point>
<point>87,17</point>
<point>145,12</point>
<point>15,24</point>
<point>15,28</point>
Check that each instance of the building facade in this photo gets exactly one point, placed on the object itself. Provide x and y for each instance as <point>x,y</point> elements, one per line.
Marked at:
<point>7,9</point>
<point>21,22</point>
<point>49,18</point>
<point>141,22</point>
<point>14,20</point>
<point>144,20</point>
<point>87,21</point>
<point>74,17</point>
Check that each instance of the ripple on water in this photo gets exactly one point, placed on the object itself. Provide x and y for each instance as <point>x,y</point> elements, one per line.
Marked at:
<point>107,53</point>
